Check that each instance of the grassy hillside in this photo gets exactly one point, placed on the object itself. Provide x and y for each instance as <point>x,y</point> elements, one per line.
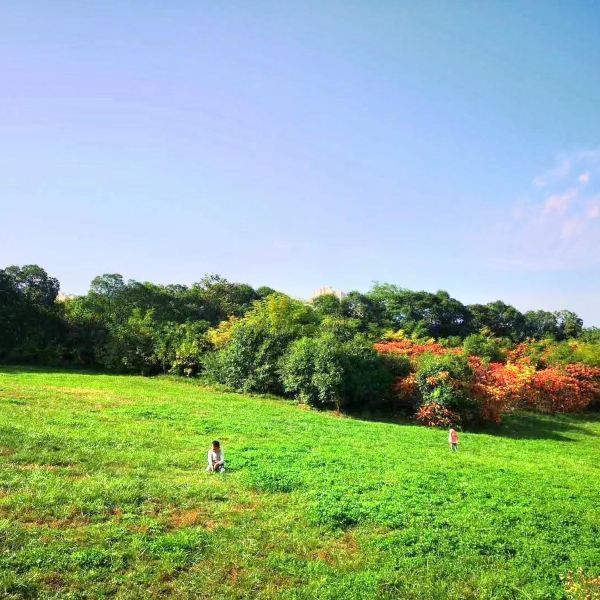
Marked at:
<point>103,492</point>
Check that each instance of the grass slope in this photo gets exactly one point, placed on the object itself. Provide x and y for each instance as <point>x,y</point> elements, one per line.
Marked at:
<point>103,492</point>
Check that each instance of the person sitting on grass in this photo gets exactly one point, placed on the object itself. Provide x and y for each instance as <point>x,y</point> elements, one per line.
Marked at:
<point>216,459</point>
<point>453,439</point>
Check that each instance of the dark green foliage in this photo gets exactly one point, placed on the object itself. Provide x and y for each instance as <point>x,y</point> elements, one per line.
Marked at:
<point>559,325</point>
<point>540,324</point>
<point>435,315</point>
<point>501,319</point>
<point>131,345</point>
<point>569,324</point>
<point>34,284</point>
<point>31,328</point>
<point>330,372</point>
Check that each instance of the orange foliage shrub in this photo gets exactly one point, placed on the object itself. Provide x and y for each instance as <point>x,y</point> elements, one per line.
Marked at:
<point>524,381</point>
<point>413,349</point>
<point>571,388</point>
<point>436,415</point>
<point>499,388</point>
<point>406,390</point>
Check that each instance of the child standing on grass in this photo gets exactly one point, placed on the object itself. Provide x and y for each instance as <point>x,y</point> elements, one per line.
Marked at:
<point>453,439</point>
<point>216,459</point>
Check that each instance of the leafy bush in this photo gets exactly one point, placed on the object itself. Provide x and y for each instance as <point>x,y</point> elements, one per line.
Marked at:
<point>485,346</point>
<point>180,348</point>
<point>249,360</point>
<point>312,370</point>
<point>499,388</point>
<point>437,415</point>
<point>564,389</point>
<point>328,372</point>
<point>131,345</point>
<point>444,380</point>
<point>574,352</point>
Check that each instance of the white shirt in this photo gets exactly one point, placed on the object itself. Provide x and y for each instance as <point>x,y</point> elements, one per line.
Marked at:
<point>215,457</point>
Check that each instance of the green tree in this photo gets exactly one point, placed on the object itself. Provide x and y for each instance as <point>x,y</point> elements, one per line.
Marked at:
<point>34,284</point>
<point>31,329</point>
<point>130,347</point>
<point>250,359</point>
<point>328,305</point>
<point>570,325</point>
<point>437,315</point>
<point>501,319</point>
<point>540,324</point>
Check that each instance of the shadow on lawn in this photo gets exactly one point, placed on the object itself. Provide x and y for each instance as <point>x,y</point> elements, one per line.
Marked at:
<point>51,370</point>
<point>526,425</point>
<point>532,426</point>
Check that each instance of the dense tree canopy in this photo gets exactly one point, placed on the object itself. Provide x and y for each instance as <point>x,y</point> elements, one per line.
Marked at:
<point>388,349</point>
<point>241,334</point>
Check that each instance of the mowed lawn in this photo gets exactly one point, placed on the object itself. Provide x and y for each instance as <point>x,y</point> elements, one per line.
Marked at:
<point>103,493</point>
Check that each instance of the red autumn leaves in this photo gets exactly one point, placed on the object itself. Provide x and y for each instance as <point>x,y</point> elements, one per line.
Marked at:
<point>498,388</point>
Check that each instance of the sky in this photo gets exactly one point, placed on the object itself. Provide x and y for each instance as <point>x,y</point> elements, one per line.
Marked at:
<point>434,145</point>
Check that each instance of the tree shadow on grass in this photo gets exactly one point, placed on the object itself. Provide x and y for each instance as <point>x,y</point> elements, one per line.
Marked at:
<point>533,426</point>
<point>524,425</point>
<point>14,369</point>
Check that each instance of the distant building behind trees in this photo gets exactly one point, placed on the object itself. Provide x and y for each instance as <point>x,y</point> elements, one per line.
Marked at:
<point>328,291</point>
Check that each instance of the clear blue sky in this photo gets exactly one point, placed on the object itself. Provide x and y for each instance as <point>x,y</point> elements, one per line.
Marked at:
<point>300,144</point>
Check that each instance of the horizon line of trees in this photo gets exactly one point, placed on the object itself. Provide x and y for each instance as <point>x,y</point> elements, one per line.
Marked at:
<point>142,327</point>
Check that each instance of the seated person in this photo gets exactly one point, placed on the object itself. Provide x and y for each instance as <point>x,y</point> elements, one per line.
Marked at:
<point>216,459</point>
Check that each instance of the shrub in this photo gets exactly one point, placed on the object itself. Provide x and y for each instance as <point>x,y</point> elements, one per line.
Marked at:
<point>406,392</point>
<point>398,364</point>
<point>574,352</point>
<point>328,372</point>
<point>313,370</point>
<point>484,346</point>
<point>131,346</point>
<point>254,345</point>
<point>249,362</point>
<point>564,389</point>
<point>436,415</point>
<point>444,380</point>
<point>589,381</point>
<point>499,388</point>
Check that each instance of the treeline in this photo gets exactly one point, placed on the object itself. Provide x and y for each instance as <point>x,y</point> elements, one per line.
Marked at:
<point>257,339</point>
<point>148,328</point>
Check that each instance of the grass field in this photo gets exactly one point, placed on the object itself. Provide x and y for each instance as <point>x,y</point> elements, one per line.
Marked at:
<point>103,493</point>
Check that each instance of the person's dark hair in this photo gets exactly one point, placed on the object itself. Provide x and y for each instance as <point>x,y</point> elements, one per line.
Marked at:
<point>216,443</point>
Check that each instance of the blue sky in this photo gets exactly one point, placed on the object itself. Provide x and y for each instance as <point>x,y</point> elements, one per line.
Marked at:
<point>301,144</point>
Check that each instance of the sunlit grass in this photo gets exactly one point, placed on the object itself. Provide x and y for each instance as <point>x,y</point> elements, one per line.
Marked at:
<point>103,492</point>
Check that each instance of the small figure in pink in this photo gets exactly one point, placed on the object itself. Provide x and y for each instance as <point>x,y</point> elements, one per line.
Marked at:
<point>453,439</point>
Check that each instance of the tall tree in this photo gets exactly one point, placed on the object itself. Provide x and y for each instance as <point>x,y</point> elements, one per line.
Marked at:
<point>501,319</point>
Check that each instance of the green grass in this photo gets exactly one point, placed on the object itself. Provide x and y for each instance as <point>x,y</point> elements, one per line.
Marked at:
<point>103,493</point>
